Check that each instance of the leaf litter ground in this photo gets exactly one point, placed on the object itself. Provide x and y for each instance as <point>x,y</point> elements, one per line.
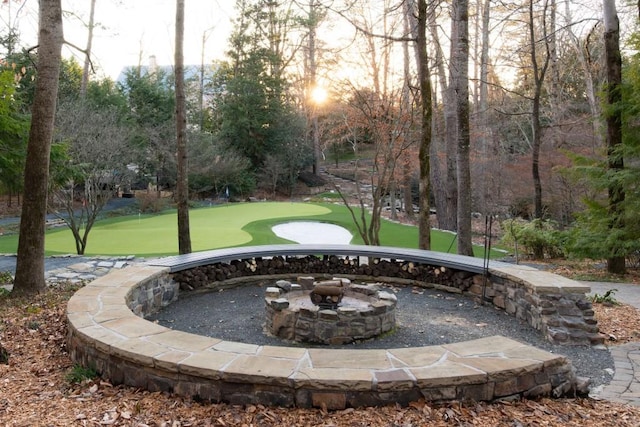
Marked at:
<point>35,389</point>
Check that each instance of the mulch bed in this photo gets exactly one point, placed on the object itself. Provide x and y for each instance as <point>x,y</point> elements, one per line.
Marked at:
<point>35,390</point>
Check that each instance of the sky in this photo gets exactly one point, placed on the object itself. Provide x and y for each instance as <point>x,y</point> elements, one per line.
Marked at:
<point>128,32</point>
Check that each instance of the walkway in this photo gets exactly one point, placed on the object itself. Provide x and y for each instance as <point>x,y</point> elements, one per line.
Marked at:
<point>72,268</point>
<point>625,385</point>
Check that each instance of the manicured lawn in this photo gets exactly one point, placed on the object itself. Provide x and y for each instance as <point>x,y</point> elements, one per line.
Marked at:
<point>241,224</point>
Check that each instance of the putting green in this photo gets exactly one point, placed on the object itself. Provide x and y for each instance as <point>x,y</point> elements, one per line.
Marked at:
<point>211,228</point>
<point>225,226</point>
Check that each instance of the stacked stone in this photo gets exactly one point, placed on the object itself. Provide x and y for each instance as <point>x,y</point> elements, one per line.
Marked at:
<point>563,316</point>
<point>329,265</point>
<point>152,295</point>
<point>342,325</point>
<point>560,311</point>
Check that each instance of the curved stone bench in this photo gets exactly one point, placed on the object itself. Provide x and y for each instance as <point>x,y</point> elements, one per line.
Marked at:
<point>107,333</point>
<point>552,304</point>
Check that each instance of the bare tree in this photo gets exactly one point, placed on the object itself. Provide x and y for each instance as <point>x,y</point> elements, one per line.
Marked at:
<point>271,173</point>
<point>584,56</point>
<point>182,182</point>
<point>29,276</point>
<point>382,118</point>
<point>94,168</point>
<point>379,36</point>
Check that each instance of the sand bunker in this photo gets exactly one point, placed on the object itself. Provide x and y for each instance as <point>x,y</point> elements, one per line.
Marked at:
<point>306,232</point>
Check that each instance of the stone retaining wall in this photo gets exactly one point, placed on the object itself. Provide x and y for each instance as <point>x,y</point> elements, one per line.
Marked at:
<point>151,295</point>
<point>556,306</point>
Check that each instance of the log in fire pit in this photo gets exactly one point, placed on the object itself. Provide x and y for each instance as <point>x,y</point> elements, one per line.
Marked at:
<point>327,294</point>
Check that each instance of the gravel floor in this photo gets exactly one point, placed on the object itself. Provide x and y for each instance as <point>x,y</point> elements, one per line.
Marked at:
<point>424,317</point>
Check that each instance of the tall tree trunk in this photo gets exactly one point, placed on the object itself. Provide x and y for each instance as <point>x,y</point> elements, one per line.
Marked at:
<point>29,277</point>
<point>556,90</point>
<point>438,183</point>
<point>460,83</point>
<point>584,57</point>
<point>447,214</point>
<point>535,156</point>
<point>392,199</point>
<point>615,263</point>
<point>407,102</point>
<point>539,72</point>
<point>484,130</point>
<point>424,223</point>
<point>182,185</point>
<point>312,79</point>
<point>87,52</point>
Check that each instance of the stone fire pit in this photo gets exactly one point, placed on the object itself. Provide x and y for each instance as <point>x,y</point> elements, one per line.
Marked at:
<point>311,311</point>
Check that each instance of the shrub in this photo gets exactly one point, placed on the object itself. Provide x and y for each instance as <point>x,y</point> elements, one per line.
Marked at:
<point>521,208</point>
<point>4,355</point>
<point>537,238</point>
<point>79,373</point>
<point>607,298</point>
<point>151,203</point>
<point>6,277</point>
<point>597,240</point>
<point>633,260</point>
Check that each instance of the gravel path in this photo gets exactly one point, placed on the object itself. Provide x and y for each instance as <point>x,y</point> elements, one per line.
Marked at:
<point>424,316</point>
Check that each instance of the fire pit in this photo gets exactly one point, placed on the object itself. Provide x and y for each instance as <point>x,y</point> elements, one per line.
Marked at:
<point>328,312</point>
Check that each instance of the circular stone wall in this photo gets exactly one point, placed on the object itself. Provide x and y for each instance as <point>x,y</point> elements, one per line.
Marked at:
<point>106,332</point>
<point>363,312</point>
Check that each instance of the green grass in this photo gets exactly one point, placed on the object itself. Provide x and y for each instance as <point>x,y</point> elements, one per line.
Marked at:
<point>242,224</point>
<point>77,374</point>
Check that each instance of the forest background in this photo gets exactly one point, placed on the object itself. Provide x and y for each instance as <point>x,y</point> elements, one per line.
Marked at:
<point>469,108</point>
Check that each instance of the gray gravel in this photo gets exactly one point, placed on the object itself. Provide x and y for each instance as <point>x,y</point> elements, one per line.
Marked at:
<point>424,316</point>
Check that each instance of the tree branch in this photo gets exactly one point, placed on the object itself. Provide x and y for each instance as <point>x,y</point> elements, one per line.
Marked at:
<point>83,51</point>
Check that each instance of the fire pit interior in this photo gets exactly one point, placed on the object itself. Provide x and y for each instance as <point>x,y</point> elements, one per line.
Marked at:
<point>328,312</point>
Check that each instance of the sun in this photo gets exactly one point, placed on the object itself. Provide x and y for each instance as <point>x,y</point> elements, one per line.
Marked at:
<point>319,95</point>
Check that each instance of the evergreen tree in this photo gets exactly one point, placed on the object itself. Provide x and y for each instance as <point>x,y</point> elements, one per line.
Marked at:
<point>257,118</point>
<point>14,127</point>
<point>152,103</point>
<point>597,233</point>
